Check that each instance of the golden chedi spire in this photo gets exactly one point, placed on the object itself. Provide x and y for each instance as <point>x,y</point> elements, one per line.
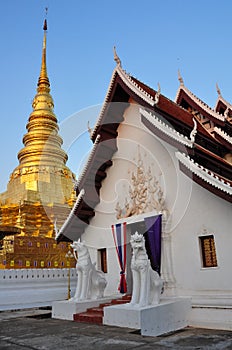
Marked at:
<point>42,142</point>
<point>42,174</point>
<point>43,78</point>
<point>40,189</point>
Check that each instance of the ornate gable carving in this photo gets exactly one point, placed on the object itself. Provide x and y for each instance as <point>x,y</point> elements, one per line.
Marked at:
<point>145,193</point>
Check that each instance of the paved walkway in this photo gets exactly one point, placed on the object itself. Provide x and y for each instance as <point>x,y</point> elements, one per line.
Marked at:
<point>35,330</point>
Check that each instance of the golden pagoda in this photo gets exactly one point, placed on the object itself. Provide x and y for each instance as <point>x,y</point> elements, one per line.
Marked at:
<point>40,189</point>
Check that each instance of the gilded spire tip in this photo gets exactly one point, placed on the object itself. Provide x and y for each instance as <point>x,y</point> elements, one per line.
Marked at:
<point>45,26</point>
<point>43,78</point>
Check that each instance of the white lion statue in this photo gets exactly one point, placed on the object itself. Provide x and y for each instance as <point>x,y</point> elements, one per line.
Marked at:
<point>91,283</point>
<point>147,284</point>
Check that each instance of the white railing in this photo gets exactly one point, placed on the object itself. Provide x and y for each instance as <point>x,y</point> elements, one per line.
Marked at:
<point>26,288</point>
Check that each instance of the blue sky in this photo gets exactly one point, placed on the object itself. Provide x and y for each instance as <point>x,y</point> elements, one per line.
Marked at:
<point>153,39</point>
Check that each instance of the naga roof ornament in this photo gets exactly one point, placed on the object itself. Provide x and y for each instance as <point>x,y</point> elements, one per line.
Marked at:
<point>116,58</point>
<point>180,78</point>
<point>218,90</point>
<point>157,94</point>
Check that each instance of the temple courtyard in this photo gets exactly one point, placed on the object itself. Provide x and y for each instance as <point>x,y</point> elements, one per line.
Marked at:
<point>35,329</point>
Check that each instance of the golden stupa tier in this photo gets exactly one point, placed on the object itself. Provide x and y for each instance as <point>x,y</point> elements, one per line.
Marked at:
<point>34,218</point>
<point>41,174</point>
<point>39,183</point>
<point>29,235</point>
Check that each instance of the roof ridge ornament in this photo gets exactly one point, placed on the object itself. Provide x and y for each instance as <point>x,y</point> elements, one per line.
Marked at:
<point>157,95</point>
<point>89,128</point>
<point>226,113</point>
<point>180,78</point>
<point>116,58</point>
<point>194,131</point>
<point>218,90</point>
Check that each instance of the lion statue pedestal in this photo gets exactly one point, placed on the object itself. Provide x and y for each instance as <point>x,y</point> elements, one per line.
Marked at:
<point>146,311</point>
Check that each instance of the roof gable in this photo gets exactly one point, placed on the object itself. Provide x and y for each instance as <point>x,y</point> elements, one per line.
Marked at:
<point>206,150</point>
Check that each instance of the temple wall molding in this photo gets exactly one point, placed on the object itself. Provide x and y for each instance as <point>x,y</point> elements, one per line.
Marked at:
<point>204,173</point>
<point>169,131</point>
<point>223,134</point>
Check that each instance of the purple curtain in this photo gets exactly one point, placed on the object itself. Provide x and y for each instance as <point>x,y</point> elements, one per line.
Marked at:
<point>153,240</point>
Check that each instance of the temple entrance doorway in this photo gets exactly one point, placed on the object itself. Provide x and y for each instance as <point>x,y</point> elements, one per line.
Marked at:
<point>150,227</point>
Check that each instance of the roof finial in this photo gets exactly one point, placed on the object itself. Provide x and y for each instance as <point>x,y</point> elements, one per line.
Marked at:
<point>157,95</point>
<point>218,90</point>
<point>116,58</point>
<point>43,78</point>
<point>45,21</point>
<point>180,78</point>
<point>45,27</point>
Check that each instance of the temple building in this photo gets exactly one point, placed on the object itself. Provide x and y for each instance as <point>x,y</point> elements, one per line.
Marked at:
<point>40,190</point>
<point>157,159</point>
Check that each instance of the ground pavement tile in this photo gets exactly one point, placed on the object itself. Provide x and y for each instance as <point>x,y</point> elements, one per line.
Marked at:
<point>36,331</point>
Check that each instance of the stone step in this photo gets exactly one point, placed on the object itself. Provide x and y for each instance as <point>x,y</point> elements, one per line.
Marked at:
<point>95,314</point>
<point>119,301</point>
<point>88,317</point>
<point>126,297</point>
<point>105,304</point>
<point>95,310</point>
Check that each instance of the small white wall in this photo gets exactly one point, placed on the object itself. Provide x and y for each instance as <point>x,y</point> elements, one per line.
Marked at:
<point>205,214</point>
<point>26,288</point>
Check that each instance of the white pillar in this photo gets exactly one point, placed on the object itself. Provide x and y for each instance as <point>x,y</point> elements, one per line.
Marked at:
<point>167,259</point>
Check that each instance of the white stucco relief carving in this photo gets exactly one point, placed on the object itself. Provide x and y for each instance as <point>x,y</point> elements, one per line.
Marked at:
<point>145,194</point>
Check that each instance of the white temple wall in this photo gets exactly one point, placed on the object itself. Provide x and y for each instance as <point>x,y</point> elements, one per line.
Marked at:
<point>192,210</point>
<point>27,288</point>
<point>205,214</point>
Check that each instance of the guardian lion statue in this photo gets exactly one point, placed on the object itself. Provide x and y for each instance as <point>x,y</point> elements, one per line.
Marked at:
<point>147,284</point>
<point>91,283</point>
